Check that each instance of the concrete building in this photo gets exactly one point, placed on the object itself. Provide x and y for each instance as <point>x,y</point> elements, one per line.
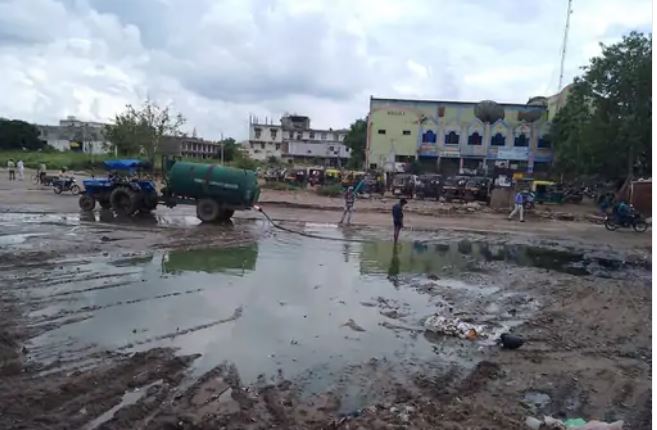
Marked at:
<point>460,137</point>
<point>74,135</point>
<point>294,140</point>
<point>192,147</point>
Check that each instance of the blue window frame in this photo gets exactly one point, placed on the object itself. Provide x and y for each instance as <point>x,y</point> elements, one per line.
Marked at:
<point>498,140</point>
<point>451,138</point>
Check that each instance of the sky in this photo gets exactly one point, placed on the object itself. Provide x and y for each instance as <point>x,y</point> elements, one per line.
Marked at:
<point>219,61</point>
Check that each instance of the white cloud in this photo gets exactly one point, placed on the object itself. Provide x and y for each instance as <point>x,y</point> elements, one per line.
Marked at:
<point>219,61</point>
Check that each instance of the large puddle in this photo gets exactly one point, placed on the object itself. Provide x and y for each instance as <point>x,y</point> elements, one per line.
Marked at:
<point>289,304</point>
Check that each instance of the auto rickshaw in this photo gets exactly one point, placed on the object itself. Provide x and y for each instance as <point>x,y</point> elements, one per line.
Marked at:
<point>547,192</point>
<point>477,188</point>
<point>403,185</point>
<point>332,176</point>
<point>296,176</point>
<point>351,179</point>
<point>454,187</point>
<point>316,176</point>
<point>429,186</point>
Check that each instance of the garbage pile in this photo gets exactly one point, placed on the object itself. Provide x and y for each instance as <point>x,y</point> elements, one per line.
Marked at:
<point>451,326</point>
<point>549,423</point>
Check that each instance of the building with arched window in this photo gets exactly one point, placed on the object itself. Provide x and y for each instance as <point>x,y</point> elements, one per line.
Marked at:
<point>459,137</point>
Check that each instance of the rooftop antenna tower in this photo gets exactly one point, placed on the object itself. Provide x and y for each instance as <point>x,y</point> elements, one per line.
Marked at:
<point>565,43</point>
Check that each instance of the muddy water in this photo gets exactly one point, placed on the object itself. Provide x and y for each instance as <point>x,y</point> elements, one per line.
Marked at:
<point>282,303</point>
<point>287,304</point>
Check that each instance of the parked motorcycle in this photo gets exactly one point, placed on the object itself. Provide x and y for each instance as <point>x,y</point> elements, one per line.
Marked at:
<point>635,221</point>
<point>65,184</point>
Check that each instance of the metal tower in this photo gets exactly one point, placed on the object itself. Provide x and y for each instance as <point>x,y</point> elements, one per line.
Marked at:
<point>565,43</point>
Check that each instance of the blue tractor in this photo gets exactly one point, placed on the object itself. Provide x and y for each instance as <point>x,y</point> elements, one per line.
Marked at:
<point>122,190</point>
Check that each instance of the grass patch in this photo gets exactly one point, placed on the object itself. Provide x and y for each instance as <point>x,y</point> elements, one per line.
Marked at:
<point>55,160</point>
<point>333,190</point>
<point>279,186</point>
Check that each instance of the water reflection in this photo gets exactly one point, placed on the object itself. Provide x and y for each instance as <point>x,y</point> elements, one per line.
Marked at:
<point>393,269</point>
<point>463,255</point>
<point>237,261</point>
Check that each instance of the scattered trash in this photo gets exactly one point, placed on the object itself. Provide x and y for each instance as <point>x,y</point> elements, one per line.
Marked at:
<point>535,401</point>
<point>571,423</point>
<point>533,423</point>
<point>574,422</point>
<point>352,325</point>
<point>510,341</point>
<point>452,327</point>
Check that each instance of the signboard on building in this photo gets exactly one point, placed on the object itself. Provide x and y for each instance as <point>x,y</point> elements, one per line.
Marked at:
<point>427,150</point>
<point>450,152</point>
<point>516,153</point>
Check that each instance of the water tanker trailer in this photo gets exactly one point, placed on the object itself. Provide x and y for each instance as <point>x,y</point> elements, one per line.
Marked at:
<point>216,191</point>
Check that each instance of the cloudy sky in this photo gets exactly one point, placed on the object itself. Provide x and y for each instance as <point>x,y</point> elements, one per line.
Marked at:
<point>217,61</point>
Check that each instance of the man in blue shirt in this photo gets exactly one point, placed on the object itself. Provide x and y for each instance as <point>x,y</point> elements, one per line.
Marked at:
<point>398,217</point>
<point>518,206</point>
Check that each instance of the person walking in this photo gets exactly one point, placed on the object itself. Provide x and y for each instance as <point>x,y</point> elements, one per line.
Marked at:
<point>21,169</point>
<point>42,173</point>
<point>349,198</point>
<point>518,207</point>
<point>398,217</point>
<point>12,169</point>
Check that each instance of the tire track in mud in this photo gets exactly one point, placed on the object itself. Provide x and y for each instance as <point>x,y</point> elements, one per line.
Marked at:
<point>46,283</point>
<point>93,308</point>
<point>237,313</point>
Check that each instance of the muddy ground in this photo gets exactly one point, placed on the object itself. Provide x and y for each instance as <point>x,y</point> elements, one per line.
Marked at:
<point>160,322</point>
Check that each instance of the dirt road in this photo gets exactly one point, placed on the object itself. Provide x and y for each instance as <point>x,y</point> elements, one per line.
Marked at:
<point>160,322</point>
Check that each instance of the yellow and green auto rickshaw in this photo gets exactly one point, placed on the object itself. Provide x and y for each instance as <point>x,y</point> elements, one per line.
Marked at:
<point>547,192</point>
<point>332,176</point>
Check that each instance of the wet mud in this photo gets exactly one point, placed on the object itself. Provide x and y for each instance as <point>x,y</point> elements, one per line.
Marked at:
<point>164,323</point>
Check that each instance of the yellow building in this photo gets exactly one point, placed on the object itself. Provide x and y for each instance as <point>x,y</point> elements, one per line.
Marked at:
<point>456,137</point>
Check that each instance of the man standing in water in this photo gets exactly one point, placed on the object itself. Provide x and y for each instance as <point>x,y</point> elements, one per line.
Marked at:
<point>349,198</point>
<point>398,217</point>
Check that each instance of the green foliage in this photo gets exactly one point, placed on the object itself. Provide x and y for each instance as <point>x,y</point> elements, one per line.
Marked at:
<point>273,160</point>
<point>141,130</point>
<point>243,161</point>
<point>605,127</point>
<point>279,186</point>
<point>333,190</point>
<point>356,140</point>
<point>16,134</point>
<point>55,160</point>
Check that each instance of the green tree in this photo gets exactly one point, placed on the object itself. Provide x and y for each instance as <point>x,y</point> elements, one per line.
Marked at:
<point>605,127</point>
<point>356,140</point>
<point>141,130</point>
<point>17,134</point>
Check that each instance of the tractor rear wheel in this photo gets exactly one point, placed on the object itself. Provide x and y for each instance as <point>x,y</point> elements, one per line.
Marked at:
<point>207,210</point>
<point>87,203</point>
<point>124,201</point>
<point>150,201</point>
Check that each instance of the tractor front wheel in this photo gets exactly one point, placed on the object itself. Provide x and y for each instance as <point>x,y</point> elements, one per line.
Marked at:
<point>124,201</point>
<point>87,203</point>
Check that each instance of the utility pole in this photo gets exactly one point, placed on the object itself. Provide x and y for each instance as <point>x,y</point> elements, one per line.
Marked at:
<point>222,148</point>
<point>565,43</point>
